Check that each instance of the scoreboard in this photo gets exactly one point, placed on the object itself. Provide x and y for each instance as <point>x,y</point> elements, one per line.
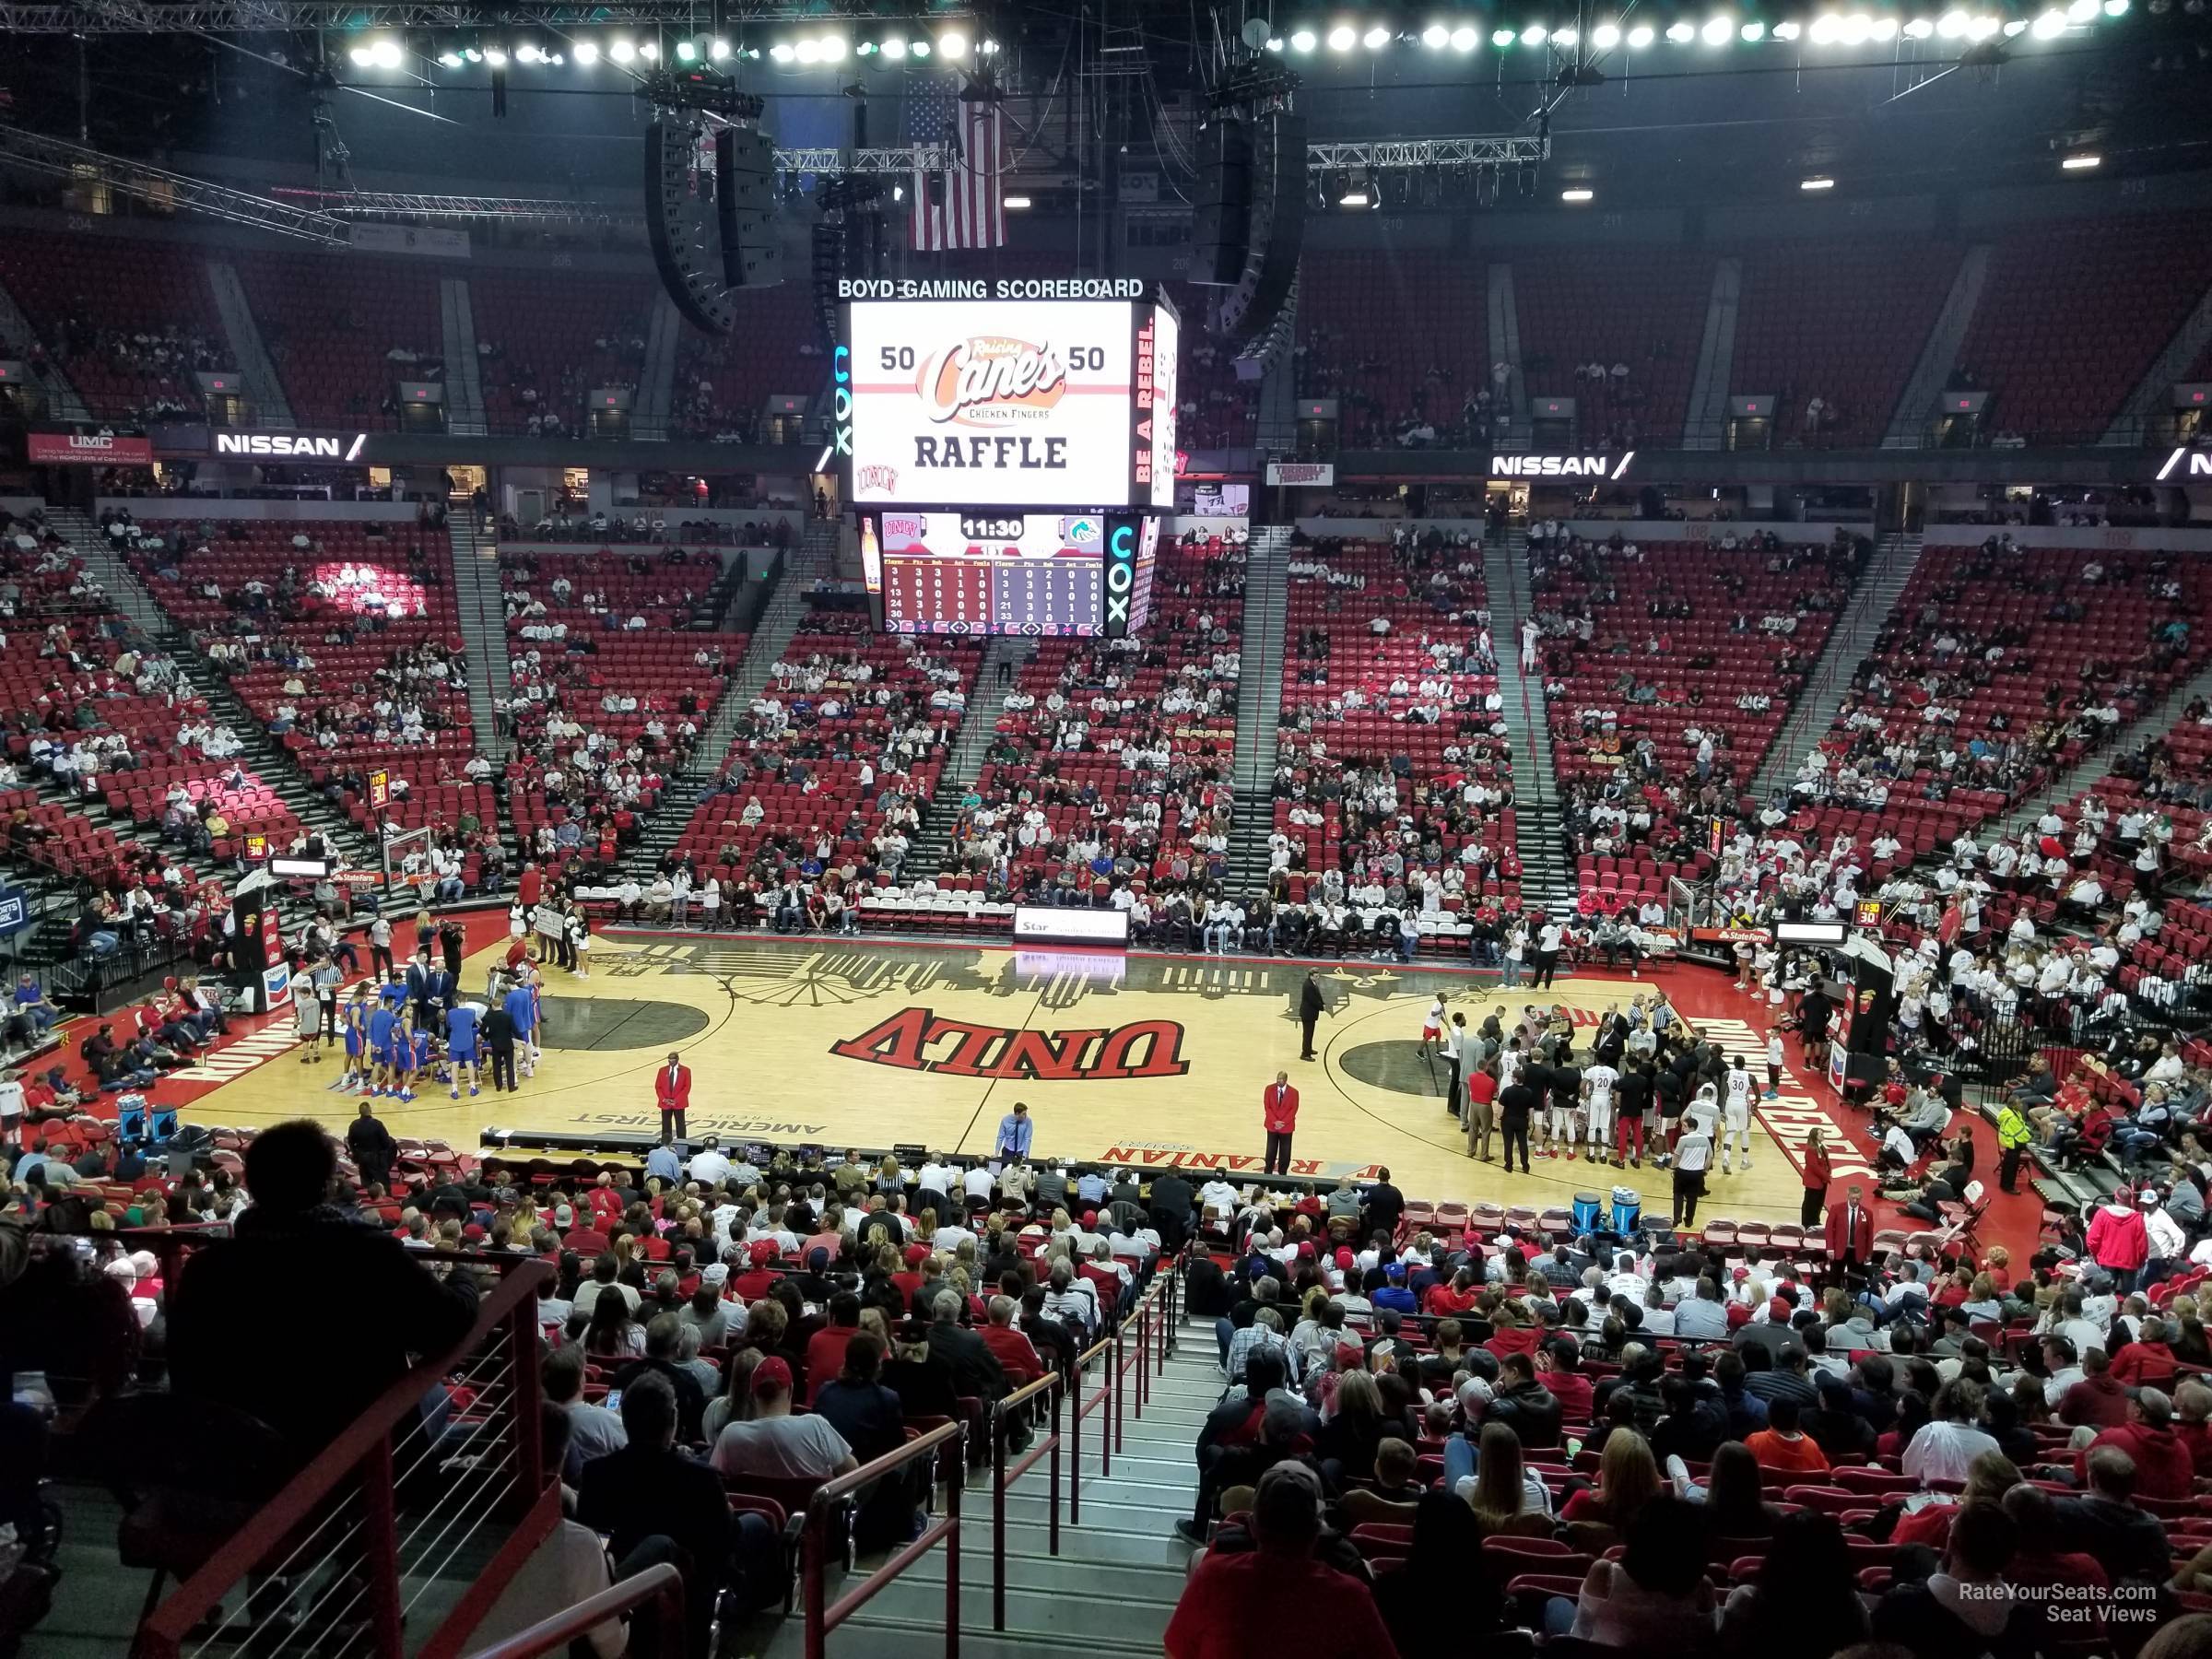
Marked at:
<point>1044,575</point>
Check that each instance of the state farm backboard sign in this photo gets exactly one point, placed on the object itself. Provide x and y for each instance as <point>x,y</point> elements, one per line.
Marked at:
<point>90,449</point>
<point>993,401</point>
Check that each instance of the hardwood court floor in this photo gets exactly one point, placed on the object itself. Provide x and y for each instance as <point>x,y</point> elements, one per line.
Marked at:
<point>1150,1060</point>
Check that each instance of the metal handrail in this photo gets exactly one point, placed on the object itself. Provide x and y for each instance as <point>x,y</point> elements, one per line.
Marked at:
<point>660,1584</point>
<point>1051,1385</point>
<point>822,1616</point>
<point>366,1447</point>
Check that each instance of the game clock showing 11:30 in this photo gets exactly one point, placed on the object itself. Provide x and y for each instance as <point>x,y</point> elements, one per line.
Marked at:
<point>993,529</point>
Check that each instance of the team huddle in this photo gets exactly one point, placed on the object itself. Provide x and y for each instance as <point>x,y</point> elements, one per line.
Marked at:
<point>1531,1086</point>
<point>417,1030</point>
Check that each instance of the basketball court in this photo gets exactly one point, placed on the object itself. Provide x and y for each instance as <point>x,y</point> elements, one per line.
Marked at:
<point>1147,1060</point>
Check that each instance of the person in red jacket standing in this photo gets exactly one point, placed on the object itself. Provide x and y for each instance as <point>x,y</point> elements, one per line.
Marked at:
<point>1278,1110</point>
<point>1817,1175</point>
<point>1849,1231</point>
<point>672,1093</point>
<point>2119,1241</point>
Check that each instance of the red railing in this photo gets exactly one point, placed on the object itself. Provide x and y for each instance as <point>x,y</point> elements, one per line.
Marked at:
<point>816,1542</point>
<point>662,1585</point>
<point>359,1473</point>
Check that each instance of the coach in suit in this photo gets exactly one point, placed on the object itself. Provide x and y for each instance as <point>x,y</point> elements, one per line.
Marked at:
<point>1279,1110</point>
<point>672,1093</point>
<point>1849,1229</point>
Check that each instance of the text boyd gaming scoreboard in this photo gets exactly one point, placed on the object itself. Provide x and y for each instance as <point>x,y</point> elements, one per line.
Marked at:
<point>1005,443</point>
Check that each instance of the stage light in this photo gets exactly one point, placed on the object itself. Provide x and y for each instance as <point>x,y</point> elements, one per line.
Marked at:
<point>1354,196</point>
<point>685,51</point>
<point>920,49</point>
<point>363,57</point>
<point>386,55</point>
<point>719,50</point>
<point>2015,26</point>
<point>1816,184</point>
<point>1578,194</point>
<point>1014,203</point>
<point>898,192</point>
<point>809,52</point>
<point>1302,39</point>
<point>989,48</point>
<point>1717,31</point>
<point>1787,31</point>
<point>471,54</point>
<point>2082,11</point>
<point>1856,29</point>
<point>1983,27</point>
<point>651,52</point>
<point>555,60</point>
<point>1919,29</point>
<point>1375,38</point>
<point>1682,31</point>
<point>1532,35</point>
<point>833,49</point>
<point>1342,38</point>
<point>952,44</point>
<point>2050,25</point>
<point>622,51</point>
<point>1640,37</point>
<point>894,48</point>
<point>1465,38</point>
<point>1275,44</point>
<point>2115,8</point>
<point>1952,24</point>
<point>781,51</point>
<point>1502,37</point>
<point>1884,29</point>
<point>527,52</point>
<point>586,53</point>
<point>495,57</point>
<point>1606,36</point>
<point>1753,31</point>
<point>2083,163</point>
<point>1436,37</point>
<point>1564,37</point>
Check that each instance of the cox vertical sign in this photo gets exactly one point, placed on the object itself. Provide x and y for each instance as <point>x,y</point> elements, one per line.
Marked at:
<point>1126,604</point>
<point>841,412</point>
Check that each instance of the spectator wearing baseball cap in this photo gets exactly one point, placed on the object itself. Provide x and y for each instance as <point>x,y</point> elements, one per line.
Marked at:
<point>776,1445</point>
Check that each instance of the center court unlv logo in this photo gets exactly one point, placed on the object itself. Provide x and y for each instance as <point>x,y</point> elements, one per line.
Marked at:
<point>920,1040</point>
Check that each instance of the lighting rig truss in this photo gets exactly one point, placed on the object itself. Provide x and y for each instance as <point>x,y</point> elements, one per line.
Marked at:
<point>1506,151</point>
<point>265,16</point>
<point>32,152</point>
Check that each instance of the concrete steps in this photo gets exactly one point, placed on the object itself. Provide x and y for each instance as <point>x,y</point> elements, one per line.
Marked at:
<point>1547,879</point>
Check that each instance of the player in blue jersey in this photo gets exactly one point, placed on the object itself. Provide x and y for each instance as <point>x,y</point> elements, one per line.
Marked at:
<point>522,1007</point>
<point>403,1055</point>
<point>353,1025</point>
<point>383,1022</point>
<point>461,1024</point>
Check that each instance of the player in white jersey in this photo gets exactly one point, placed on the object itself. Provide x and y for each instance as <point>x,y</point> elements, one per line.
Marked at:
<point>1599,1082</point>
<point>1735,1115</point>
<point>1703,1112</point>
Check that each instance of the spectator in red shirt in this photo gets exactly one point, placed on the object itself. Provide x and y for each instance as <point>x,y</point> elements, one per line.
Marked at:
<point>2193,1423</point>
<point>1780,1445</point>
<point>1558,1367</point>
<point>2147,1363</point>
<point>2097,1401</point>
<point>825,1348</point>
<point>1016,1357</point>
<point>1238,1601</point>
<point>2163,1466</point>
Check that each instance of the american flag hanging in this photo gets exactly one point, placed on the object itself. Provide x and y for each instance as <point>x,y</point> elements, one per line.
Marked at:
<point>960,207</point>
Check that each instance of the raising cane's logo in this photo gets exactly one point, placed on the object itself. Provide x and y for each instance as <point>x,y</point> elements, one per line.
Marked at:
<point>990,379</point>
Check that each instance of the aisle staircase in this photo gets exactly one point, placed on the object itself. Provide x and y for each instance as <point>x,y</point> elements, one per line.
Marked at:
<point>475,559</point>
<point>1915,417</point>
<point>932,847</point>
<point>1118,1574</point>
<point>1259,705</point>
<point>125,590</point>
<point>1895,558</point>
<point>463,377</point>
<point>1539,821</point>
<point>63,402</point>
<point>263,386</point>
<point>814,558</point>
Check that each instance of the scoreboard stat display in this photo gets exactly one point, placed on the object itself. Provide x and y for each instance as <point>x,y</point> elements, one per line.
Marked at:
<point>1040,574</point>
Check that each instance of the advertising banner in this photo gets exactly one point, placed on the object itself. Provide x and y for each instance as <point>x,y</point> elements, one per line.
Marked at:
<point>90,449</point>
